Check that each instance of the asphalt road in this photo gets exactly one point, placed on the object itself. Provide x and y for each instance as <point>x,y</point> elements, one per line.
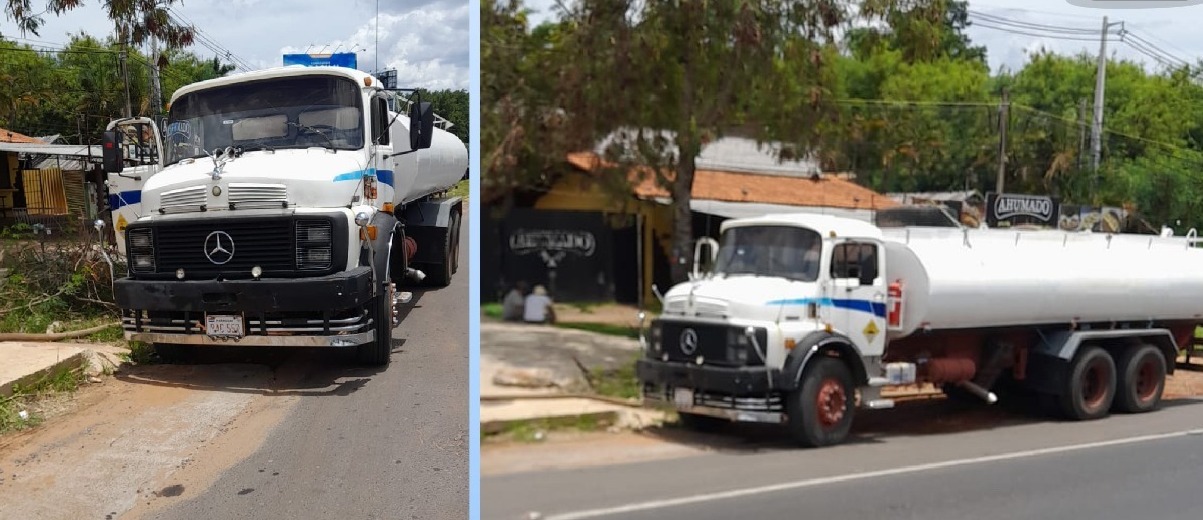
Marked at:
<point>1123,467</point>
<point>376,444</point>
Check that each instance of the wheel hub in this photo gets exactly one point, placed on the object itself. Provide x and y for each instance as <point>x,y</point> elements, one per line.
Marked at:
<point>1147,380</point>
<point>1093,387</point>
<point>831,402</point>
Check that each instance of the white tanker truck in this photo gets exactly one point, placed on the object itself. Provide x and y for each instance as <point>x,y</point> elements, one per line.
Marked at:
<point>801,313</point>
<point>281,207</point>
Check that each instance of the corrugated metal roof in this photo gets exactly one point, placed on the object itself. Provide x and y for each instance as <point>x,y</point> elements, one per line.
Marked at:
<point>51,149</point>
<point>733,154</point>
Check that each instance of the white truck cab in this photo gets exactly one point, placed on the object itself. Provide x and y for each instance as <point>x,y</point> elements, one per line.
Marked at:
<point>281,207</point>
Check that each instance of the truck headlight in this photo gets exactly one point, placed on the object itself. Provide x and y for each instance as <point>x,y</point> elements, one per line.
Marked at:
<point>653,337</point>
<point>141,246</point>
<point>315,245</point>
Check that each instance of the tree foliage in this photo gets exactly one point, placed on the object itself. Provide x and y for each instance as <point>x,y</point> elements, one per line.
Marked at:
<point>134,21</point>
<point>891,91</point>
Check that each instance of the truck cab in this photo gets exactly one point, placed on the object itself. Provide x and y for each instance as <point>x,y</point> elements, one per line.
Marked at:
<point>731,342</point>
<point>281,208</point>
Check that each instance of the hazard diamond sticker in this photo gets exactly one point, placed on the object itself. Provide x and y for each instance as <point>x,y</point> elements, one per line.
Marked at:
<point>121,223</point>
<point>871,330</point>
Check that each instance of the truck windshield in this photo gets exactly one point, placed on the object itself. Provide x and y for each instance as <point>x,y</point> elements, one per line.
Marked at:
<point>296,112</point>
<point>783,251</point>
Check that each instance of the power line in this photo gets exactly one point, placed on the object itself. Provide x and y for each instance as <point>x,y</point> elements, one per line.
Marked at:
<point>1030,25</point>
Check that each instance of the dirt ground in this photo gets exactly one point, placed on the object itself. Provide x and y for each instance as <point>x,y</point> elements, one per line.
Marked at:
<point>608,313</point>
<point>102,454</point>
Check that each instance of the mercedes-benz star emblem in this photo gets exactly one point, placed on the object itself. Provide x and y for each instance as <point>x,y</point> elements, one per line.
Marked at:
<point>689,342</point>
<point>219,247</point>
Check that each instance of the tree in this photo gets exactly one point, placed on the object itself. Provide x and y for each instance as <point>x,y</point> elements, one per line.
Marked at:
<point>523,133</point>
<point>453,106</point>
<point>135,21</point>
<point>665,77</point>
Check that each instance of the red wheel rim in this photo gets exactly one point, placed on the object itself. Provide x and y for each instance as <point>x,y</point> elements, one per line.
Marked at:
<point>1147,379</point>
<point>1094,385</point>
<point>830,402</point>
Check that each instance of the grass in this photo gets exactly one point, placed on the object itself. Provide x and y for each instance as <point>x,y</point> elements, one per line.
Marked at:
<point>601,328</point>
<point>460,190</point>
<point>535,430</point>
<point>492,310</point>
<point>64,380</point>
<point>141,353</point>
<point>620,382</point>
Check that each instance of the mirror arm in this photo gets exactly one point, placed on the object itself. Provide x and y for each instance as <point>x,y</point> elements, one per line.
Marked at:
<point>390,156</point>
<point>131,177</point>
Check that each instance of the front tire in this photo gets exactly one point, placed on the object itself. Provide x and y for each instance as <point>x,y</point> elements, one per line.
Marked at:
<point>1140,379</point>
<point>820,412</point>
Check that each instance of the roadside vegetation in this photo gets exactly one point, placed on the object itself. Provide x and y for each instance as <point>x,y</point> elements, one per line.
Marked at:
<point>29,403</point>
<point>55,283</point>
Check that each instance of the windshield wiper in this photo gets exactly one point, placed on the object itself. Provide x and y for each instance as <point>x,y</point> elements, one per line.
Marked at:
<point>256,148</point>
<point>311,129</point>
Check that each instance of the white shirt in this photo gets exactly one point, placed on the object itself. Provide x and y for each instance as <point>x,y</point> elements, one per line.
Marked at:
<point>536,307</point>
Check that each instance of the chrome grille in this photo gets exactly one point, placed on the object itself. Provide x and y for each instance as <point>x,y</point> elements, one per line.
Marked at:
<point>245,193</point>
<point>194,196</point>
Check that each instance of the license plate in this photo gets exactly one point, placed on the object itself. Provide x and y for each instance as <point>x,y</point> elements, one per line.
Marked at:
<point>224,326</point>
<point>683,397</point>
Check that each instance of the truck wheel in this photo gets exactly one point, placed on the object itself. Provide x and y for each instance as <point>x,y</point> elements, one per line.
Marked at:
<point>1141,379</point>
<point>442,277</point>
<point>820,412</point>
<point>700,423</point>
<point>379,351</point>
<point>1090,386</point>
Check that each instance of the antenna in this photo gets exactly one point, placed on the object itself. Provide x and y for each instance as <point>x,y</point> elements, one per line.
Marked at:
<point>376,53</point>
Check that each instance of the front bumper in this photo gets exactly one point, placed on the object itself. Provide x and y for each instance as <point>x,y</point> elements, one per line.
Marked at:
<point>743,394</point>
<point>327,311</point>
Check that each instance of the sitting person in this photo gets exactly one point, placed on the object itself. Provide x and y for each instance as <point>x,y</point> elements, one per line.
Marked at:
<point>512,305</point>
<point>538,307</point>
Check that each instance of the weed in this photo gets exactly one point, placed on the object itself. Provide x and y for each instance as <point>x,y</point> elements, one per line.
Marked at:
<point>141,353</point>
<point>492,310</point>
<point>25,397</point>
<point>460,190</point>
<point>534,430</point>
<point>618,382</point>
<point>601,328</point>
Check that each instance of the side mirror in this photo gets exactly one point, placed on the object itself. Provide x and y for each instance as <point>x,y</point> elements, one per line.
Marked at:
<point>112,156</point>
<point>712,245</point>
<point>421,125</point>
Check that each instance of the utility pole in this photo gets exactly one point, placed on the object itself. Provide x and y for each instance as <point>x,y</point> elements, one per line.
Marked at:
<point>1081,132</point>
<point>1096,129</point>
<point>1003,119</point>
<point>156,92</point>
<point>125,75</point>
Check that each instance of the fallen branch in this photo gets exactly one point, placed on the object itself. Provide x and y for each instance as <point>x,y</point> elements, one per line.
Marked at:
<point>21,336</point>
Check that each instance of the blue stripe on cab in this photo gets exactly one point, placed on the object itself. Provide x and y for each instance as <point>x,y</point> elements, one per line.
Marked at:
<point>384,176</point>
<point>877,309</point>
<point>125,198</point>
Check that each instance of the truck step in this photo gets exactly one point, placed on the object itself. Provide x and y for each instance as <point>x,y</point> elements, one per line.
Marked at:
<point>879,404</point>
<point>404,297</point>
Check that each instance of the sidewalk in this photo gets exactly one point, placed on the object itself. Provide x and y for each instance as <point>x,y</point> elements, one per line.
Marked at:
<point>531,372</point>
<point>25,361</point>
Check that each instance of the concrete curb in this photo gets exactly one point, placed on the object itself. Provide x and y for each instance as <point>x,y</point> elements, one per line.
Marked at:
<point>604,419</point>
<point>77,359</point>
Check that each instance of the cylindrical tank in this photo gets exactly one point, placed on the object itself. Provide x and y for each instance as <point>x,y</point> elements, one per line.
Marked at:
<point>958,279</point>
<point>427,171</point>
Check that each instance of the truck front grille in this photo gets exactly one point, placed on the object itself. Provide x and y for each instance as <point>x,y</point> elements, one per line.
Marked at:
<point>716,344</point>
<point>230,248</point>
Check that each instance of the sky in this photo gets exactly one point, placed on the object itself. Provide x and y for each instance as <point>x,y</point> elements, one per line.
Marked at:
<point>1173,31</point>
<point>426,41</point>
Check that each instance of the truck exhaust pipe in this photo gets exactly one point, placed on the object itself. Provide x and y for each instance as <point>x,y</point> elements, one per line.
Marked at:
<point>415,274</point>
<point>974,389</point>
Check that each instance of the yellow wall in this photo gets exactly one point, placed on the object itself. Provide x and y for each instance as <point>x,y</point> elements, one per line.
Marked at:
<point>579,192</point>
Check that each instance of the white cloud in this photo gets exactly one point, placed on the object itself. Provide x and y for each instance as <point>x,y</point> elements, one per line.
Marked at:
<point>426,40</point>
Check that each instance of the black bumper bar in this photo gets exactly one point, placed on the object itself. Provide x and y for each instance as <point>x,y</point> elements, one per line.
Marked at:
<point>344,290</point>
<point>726,380</point>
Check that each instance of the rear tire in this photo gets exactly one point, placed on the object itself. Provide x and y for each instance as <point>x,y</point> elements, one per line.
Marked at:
<point>1090,387</point>
<point>820,413</point>
<point>1140,379</point>
<point>442,276</point>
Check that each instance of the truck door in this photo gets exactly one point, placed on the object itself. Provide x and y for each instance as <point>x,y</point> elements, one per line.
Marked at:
<point>382,150</point>
<point>142,146</point>
<point>858,296</point>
